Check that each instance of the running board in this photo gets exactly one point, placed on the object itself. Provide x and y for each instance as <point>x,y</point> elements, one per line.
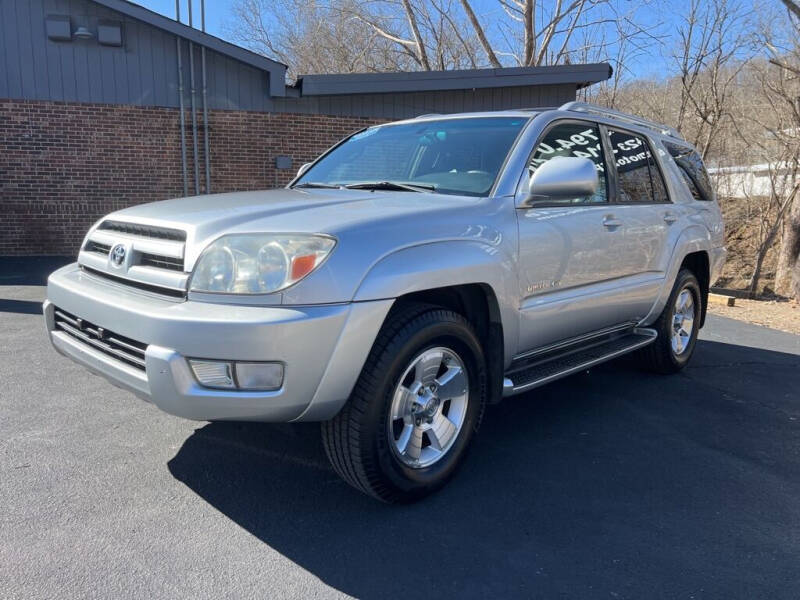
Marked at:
<point>550,368</point>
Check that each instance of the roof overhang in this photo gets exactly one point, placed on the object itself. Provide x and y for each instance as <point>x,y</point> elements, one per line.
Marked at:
<point>276,70</point>
<point>426,81</point>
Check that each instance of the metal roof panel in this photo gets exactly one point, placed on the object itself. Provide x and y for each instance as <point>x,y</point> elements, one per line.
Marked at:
<point>421,81</point>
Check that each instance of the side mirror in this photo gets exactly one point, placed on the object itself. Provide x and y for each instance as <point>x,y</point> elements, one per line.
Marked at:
<point>303,168</point>
<point>560,178</point>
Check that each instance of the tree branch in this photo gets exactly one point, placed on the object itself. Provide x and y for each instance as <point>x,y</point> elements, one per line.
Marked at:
<point>481,34</point>
<point>412,22</point>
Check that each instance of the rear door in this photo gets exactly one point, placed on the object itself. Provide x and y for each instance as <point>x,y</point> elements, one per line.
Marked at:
<point>645,211</point>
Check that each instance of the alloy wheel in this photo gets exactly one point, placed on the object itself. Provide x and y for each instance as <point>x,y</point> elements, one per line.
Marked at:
<point>429,405</point>
<point>683,319</point>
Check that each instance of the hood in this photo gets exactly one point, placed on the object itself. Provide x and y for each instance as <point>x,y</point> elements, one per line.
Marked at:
<point>205,218</point>
<point>216,212</point>
<point>286,209</point>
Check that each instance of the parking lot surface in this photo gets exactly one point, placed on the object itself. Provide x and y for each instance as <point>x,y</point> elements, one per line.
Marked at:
<point>611,484</point>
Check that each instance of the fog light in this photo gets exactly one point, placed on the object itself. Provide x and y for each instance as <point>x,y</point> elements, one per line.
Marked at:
<point>213,373</point>
<point>259,376</point>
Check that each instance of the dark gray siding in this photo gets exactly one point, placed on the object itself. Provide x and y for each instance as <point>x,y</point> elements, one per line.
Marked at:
<point>142,72</point>
<point>403,105</point>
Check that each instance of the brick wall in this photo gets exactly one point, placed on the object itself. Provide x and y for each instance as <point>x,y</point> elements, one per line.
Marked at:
<point>64,165</point>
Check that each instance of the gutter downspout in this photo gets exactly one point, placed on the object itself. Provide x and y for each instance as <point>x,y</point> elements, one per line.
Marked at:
<point>182,107</point>
<point>205,102</point>
<point>194,110</point>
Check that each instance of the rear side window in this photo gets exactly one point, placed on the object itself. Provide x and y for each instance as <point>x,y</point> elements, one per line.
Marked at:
<point>639,179</point>
<point>694,172</point>
<point>690,183</point>
<point>576,139</point>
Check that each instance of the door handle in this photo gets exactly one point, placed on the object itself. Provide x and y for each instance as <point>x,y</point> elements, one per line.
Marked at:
<point>670,217</point>
<point>611,222</point>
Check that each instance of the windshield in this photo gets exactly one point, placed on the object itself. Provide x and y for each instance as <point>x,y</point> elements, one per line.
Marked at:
<point>448,156</point>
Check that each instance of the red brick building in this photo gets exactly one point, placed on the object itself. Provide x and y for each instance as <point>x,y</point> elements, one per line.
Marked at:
<point>97,105</point>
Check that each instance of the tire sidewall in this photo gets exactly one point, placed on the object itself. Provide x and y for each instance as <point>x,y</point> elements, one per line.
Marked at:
<point>686,280</point>
<point>456,335</point>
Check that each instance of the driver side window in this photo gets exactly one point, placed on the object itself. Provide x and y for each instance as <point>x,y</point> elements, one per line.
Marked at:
<point>580,140</point>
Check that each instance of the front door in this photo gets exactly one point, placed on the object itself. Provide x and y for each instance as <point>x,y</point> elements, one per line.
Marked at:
<point>571,251</point>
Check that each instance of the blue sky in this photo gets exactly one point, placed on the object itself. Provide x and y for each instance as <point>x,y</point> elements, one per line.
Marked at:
<point>217,11</point>
<point>651,64</point>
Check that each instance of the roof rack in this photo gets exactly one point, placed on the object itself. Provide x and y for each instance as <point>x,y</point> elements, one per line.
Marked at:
<point>585,107</point>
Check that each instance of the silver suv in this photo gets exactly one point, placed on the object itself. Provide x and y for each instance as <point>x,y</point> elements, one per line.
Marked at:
<point>412,274</point>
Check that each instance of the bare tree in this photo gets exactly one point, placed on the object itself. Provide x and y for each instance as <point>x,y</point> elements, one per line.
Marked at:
<point>487,47</point>
<point>536,33</point>
<point>715,44</point>
<point>761,142</point>
<point>629,42</point>
<point>310,37</point>
<point>783,87</point>
<point>321,36</point>
<point>761,212</point>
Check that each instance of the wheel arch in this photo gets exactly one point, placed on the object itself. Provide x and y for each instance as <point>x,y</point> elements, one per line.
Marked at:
<point>476,279</point>
<point>698,263</point>
<point>461,274</point>
<point>692,245</point>
<point>477,302</point>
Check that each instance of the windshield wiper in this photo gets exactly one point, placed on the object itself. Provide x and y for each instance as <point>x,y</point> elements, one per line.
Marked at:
<point>317,184</point>
<point>391,185</point>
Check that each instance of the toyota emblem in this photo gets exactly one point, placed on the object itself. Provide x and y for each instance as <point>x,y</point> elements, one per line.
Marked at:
<point>117,255</point>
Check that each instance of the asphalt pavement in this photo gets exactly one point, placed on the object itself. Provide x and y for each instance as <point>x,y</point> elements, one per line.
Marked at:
<point>611,484</point>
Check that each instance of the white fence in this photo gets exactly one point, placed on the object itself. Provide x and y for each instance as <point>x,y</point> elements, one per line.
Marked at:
<point>752,180</point>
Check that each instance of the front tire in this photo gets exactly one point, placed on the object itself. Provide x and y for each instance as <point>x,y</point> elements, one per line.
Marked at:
<point>677,327</point>
<point>420,397</point>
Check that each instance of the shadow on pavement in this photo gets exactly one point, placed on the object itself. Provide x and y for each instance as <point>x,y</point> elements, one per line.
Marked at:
<point>29,270</point>
<point>24,307</point>
<point>614,483</point>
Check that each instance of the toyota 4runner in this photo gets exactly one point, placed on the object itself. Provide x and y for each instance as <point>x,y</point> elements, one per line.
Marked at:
<point>412,274</point>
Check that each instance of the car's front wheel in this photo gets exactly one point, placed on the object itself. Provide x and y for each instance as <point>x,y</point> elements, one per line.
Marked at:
<point>412,413</point>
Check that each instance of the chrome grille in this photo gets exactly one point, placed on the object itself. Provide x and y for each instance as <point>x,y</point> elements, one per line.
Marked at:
<point>97,248</point>
<point>124,349</point>
<point>161,262</point>
<point>152,258</point>
<point>148,231</point>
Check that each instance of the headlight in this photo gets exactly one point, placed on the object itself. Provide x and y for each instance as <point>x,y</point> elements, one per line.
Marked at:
<point>258,263</point>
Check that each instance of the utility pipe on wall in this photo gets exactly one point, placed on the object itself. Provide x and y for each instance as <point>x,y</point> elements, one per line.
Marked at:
<point>194,110</point>
<point>182,108</point>
<point>205,102</point>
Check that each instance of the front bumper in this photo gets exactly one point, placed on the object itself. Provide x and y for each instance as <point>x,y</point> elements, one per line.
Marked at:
<point>322,347</point>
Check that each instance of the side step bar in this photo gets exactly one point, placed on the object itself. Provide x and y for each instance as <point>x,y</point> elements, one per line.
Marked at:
<point>554,367</point>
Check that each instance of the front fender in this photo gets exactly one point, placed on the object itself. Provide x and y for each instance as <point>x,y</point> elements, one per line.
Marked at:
<point>446,264</point>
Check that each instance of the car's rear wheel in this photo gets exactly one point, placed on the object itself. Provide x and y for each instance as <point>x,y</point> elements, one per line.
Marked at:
<point>677,327</point>
<point>412,413</point>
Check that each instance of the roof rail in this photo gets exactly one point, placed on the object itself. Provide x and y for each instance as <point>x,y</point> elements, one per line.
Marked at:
<point>536,108</point>
<point>585,107</point>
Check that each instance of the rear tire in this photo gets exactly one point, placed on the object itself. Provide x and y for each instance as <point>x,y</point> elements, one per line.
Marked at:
<point>410,418</point>
<point>677,327</point>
